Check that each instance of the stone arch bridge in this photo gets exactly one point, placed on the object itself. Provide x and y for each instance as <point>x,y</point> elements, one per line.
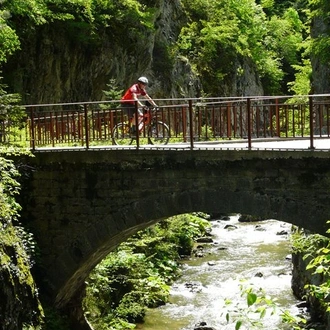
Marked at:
<point>81,204</point>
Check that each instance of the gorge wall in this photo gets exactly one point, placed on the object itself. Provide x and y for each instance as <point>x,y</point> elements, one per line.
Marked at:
<point>57,64</point>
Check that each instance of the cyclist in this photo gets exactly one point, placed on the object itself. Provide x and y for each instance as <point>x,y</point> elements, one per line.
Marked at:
<point>131,95</point>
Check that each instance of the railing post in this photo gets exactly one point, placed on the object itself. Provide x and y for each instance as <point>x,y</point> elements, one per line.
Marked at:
<point>248,105</point>
<point>191,132</point>
<point>311,122</point>
<point>278,129</point>
<point>137,133</point>
<point>86,127</point>
<point>228,121</point>
<point>32,133</point>
<point>52,128</point>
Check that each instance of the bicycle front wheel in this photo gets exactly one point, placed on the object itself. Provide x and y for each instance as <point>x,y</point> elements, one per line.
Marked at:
<point>158,133</point>
<point>121,134</point>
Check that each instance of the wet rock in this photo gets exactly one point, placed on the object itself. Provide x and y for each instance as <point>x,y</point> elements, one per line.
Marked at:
<point>230,227</point>
<point>219,216</point>
<point>199,254</point>
<point>282,232</point>
<point>194,287</point>
<point>203,326</point>
<point>259,228</point>
<point>225,218</point>
<point>211,263</point>
<point>315,326</point>
<point>208,231</point>
<point>249,218</point>
<point>204,240</point>
<point>199,251</point>
<point>281,274</point>
<point>303,304</point>
<point>259,274</point>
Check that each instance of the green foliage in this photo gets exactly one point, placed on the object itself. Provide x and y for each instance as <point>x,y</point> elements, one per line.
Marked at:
<point>307,244</point>
<point>318,255</point>
<point>15,248</point>
<point>112,93</point>
<point>84,21</point>
<point>316,251</point>
<point>54,321</point>
<point>219,40</point>
<point>9,189</point>
<point>301,85</point>
<point>258,306</point>
<point>12,116</point>
<point>138,274</point>
<point>8,39</point>
<point>221,35</point>
<point>318,10</point>
<point>34,10</point>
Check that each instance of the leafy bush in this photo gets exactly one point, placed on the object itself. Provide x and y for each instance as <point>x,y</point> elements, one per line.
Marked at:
<point>221,35</point>
<point>138,274</point>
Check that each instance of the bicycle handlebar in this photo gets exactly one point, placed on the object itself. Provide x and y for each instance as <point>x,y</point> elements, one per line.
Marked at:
<point>154,109</point>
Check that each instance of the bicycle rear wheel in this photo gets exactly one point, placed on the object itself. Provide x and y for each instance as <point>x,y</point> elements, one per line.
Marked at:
<point>158,133</point>
<point>121,134</point>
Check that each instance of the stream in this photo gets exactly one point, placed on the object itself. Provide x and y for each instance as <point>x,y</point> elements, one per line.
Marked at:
<point>254,254</point>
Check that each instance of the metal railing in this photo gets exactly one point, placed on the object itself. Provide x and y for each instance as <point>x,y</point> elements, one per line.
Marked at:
<point>90,124</point>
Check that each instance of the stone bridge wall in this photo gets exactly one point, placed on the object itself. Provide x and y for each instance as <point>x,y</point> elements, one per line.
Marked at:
<point>81,204</point>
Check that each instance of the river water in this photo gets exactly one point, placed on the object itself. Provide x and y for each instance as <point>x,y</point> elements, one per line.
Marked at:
<point>249,254</point>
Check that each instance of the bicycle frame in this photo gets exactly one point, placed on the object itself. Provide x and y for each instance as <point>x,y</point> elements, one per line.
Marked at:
<point>145,117</point>
<point>155,131</point>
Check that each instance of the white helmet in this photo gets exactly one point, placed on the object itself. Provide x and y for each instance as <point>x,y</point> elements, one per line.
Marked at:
<point>143,80</point>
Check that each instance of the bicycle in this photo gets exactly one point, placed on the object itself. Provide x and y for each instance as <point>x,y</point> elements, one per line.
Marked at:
<point>149,127</point>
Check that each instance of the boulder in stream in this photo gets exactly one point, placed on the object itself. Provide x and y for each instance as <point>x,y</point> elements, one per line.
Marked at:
<point>203,326</point>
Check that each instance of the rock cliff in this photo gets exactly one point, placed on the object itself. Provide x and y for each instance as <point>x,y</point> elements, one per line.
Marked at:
<point>19,301</point>
<point>58,64</point>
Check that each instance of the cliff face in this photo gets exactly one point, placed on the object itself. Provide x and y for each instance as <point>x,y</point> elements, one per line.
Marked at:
<point>321,69</point>
<point>19,302</point>
<point>56,63</point>
<point>302,277</point>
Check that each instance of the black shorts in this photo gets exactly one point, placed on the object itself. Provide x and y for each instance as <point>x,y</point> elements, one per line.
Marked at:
<point>128,108</point>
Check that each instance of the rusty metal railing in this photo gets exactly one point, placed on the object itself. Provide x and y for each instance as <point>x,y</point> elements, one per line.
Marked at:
<point>91,124</point>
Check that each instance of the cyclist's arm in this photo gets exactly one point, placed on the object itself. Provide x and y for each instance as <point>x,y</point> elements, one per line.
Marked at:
<point>137,99</point>
<point>150,100</point>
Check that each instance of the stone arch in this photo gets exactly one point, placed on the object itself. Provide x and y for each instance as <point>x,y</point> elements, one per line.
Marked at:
<point>99,240</point>
<point>81,204</point>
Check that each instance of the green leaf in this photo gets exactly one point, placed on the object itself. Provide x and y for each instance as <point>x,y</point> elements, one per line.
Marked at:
<point>263,313</point>
<point>251,299</point>
<point>319,270</point>
<point>238,325</point>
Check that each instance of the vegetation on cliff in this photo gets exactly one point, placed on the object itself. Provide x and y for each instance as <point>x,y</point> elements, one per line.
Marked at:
<point>19,300</point>
<point>138,274</point>
<point>19,303</point>
<point>221,35</point>
<point>311,276</point>
<point>229,46</point>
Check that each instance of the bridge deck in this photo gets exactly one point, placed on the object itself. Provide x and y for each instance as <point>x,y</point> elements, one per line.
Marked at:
<point>321,144</point>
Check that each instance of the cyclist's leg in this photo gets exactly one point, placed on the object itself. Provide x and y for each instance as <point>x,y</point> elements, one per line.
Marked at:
<point>129,109</point>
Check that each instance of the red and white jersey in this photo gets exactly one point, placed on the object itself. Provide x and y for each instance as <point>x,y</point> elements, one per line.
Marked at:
<point>134,89</point>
